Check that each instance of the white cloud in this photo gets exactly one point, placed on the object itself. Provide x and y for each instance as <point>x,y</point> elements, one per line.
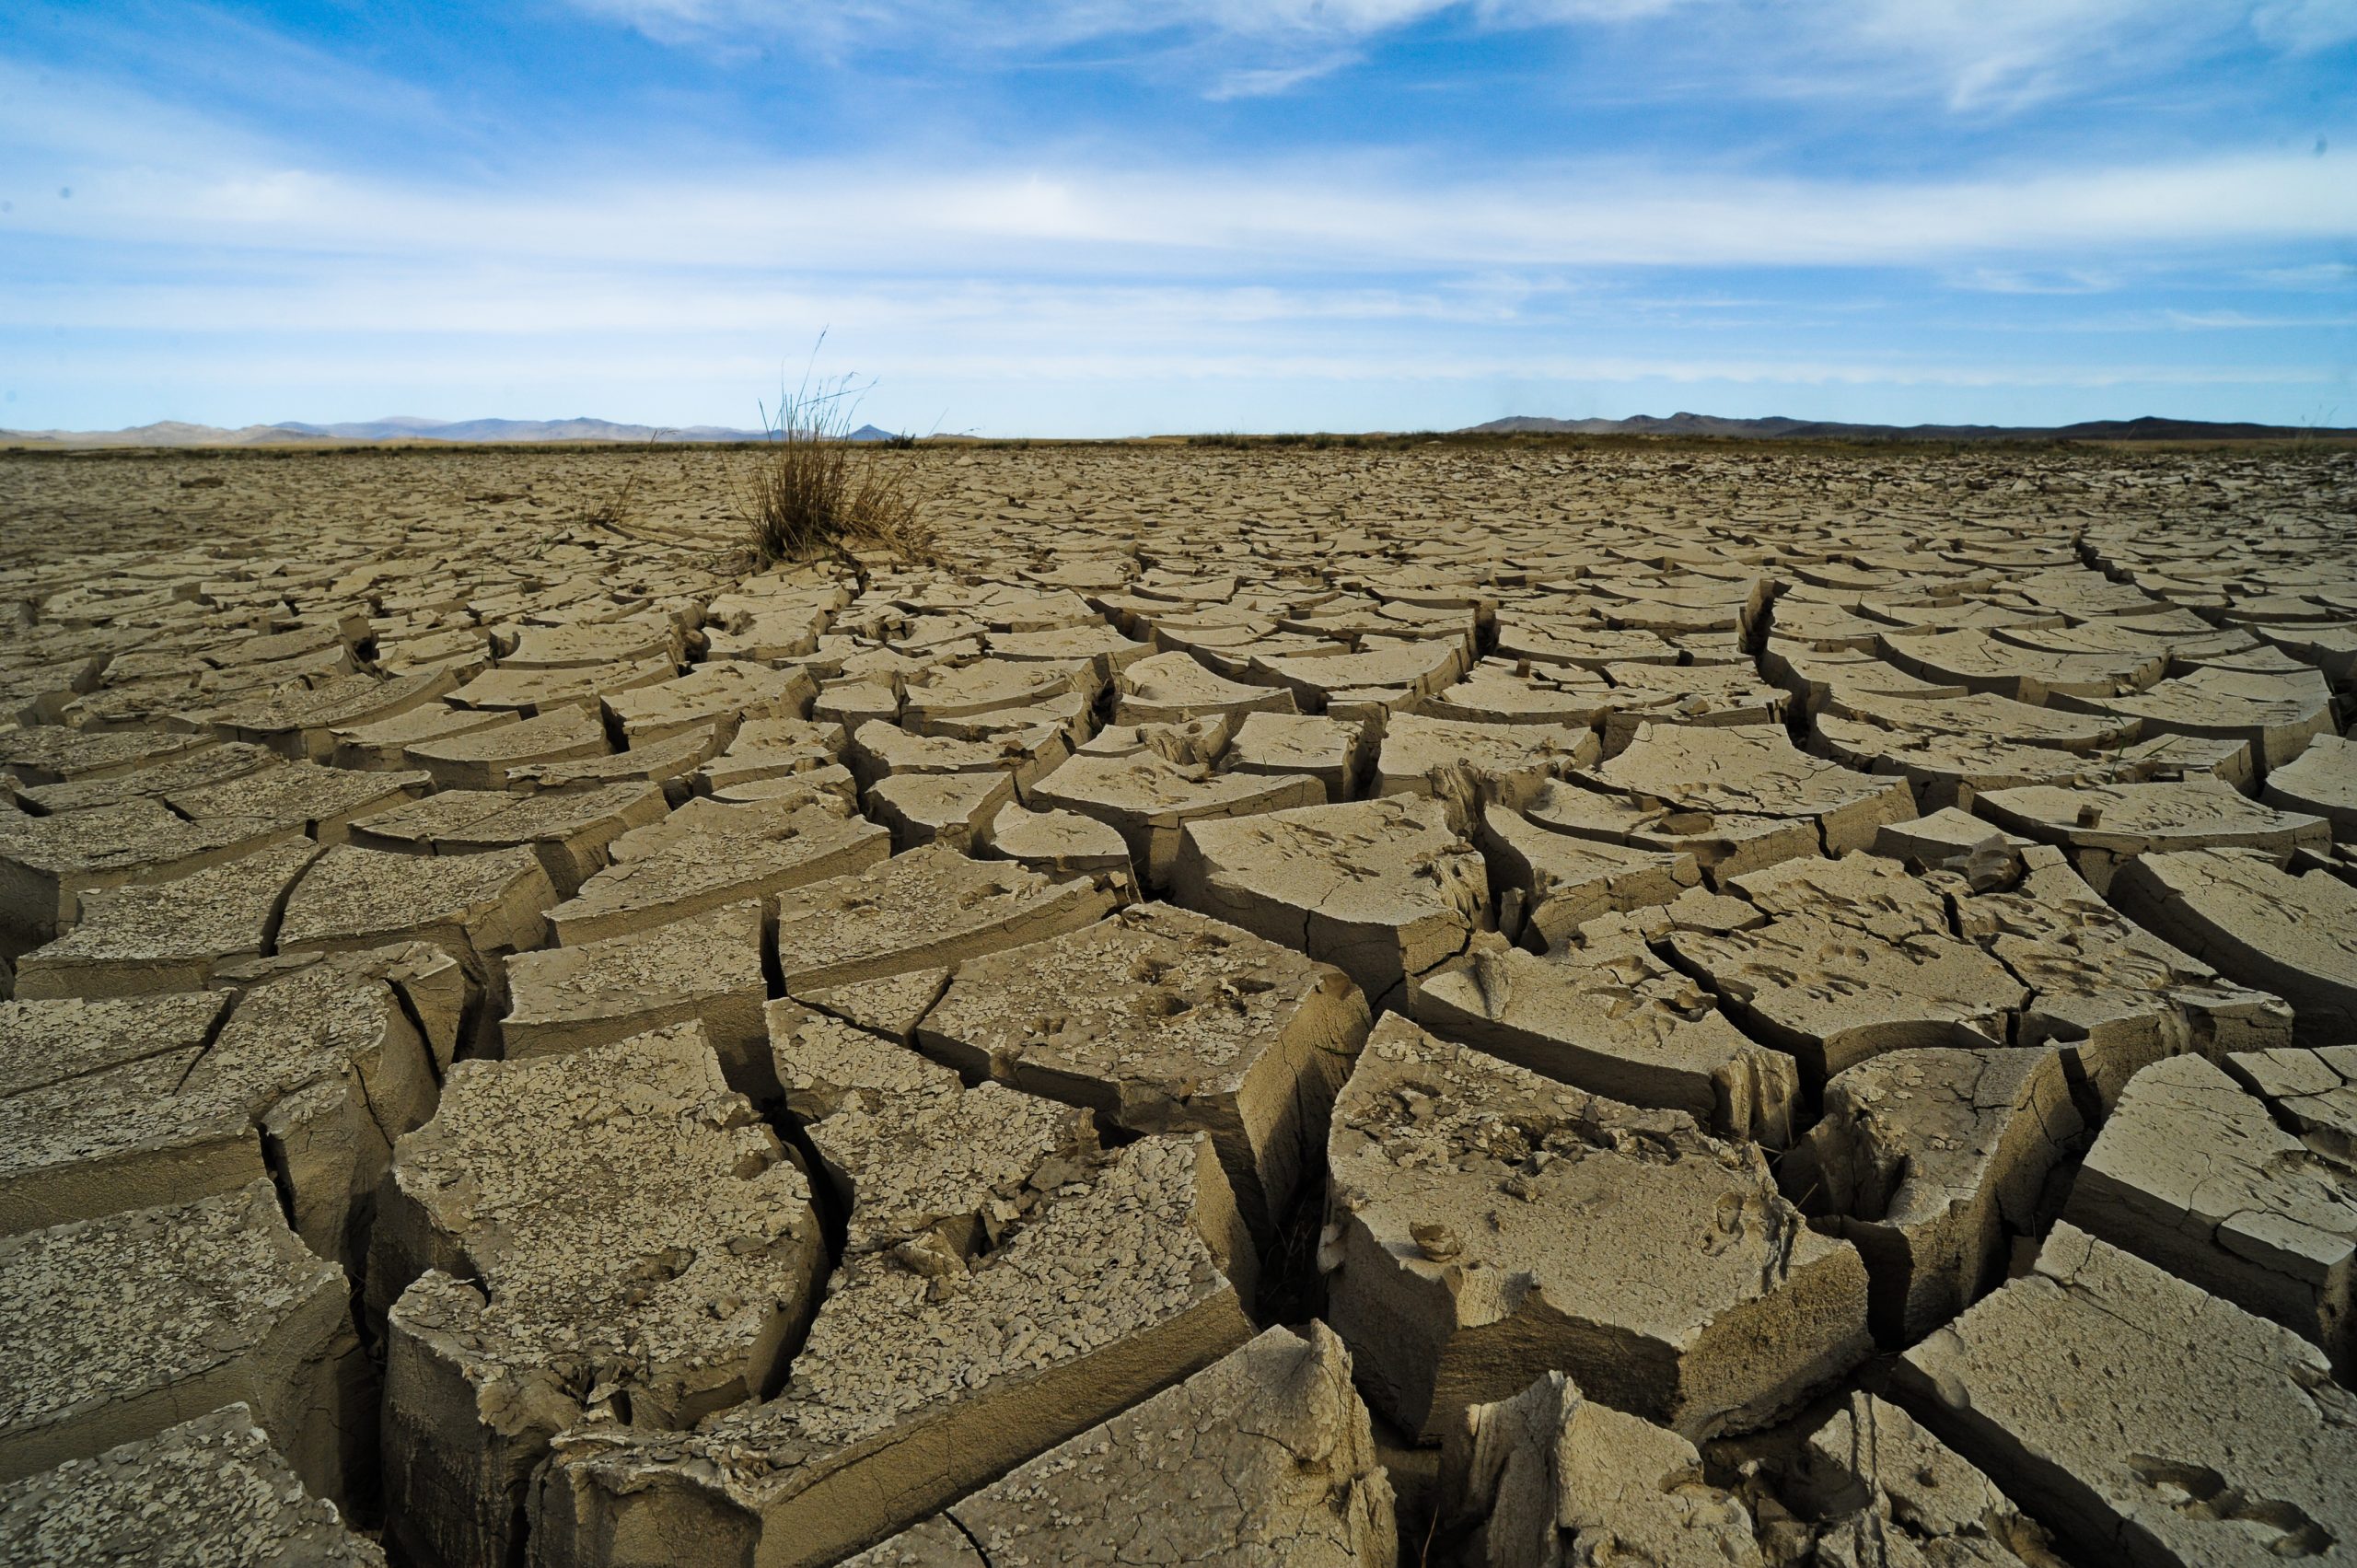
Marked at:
<point>1976,55</point>
<point>2305,25</point>
<point>1359,217</point>
<point>1270,81</point>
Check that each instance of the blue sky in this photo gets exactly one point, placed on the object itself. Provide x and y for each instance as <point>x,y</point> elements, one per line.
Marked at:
<point>1108,216</point>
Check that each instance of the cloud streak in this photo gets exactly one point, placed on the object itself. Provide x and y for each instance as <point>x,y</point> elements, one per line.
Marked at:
<point>1368,215</point>
<point>1977,55</point>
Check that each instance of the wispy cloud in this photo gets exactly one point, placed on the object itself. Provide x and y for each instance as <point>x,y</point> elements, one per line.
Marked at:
<point>2005,280</point>
<point>146,175</point>
<point>1980,56</point>
<point>1271,80</point>
<point>2243,320</point>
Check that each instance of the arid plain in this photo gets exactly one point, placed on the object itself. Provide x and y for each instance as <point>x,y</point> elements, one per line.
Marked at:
<point>1504,1004</point>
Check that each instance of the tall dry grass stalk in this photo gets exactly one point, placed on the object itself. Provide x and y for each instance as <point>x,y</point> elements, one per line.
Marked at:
<point>812,491</point>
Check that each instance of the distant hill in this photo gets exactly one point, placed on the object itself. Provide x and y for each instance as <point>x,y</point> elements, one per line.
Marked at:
<point>172,433</point>
<point>404,428</point>
<point>2148,428</point>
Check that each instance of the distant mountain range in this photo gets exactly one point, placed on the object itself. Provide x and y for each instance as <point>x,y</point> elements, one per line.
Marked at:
<point>2148,428</point>
<point>398,428</point>
<point>172,433</point>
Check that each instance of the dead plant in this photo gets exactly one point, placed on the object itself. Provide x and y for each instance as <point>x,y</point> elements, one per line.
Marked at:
<point>810,490</point>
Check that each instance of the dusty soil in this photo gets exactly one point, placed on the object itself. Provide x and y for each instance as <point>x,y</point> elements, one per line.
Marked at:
<point>1494,1003</point>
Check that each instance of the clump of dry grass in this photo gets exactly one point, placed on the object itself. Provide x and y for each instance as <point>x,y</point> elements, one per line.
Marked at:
<point>811,491</point>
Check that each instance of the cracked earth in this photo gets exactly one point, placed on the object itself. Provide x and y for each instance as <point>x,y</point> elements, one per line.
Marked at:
<point>1502,1006</point>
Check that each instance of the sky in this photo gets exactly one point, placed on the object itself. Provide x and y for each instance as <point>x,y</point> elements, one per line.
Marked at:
<point>1108,217</point>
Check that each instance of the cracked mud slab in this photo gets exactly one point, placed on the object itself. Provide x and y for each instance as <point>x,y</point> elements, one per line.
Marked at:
<point>1167,1021</point>
<point>2189,1432</point>
<point>1856,960</point>
<point>2192,1173</point>
<point>211,1489</point>
<point>306,1079</point>
<point>694,861</point>
<point>1551,1476</point>
<point>1263,1457</point>
<point>2296,937</point>
<point>1928,1161</point>
<point>172,937</point>
<point>1609,1016</point>
<point>930,907</point>
<point>121,1324</point>
<point>1150,800</point>
<point>606,1234</point>
<point>1382,889</point>
<point>1755,771</point>
<point>1486,1224</point>
<point>707,968</point>
<point>1111,1285</point>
